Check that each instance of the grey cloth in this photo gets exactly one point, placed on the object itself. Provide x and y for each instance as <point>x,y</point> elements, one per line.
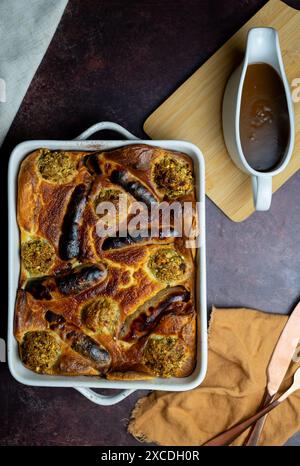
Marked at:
<point>26,29</point>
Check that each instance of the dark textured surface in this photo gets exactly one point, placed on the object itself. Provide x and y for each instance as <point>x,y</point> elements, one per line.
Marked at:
<point>118,60</point>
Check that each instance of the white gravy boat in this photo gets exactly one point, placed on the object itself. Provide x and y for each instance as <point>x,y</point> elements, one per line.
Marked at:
<point>262,47</point>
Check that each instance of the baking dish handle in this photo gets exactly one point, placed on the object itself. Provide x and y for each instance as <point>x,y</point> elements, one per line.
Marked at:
<point>105,125</point>
<point>104,400</point>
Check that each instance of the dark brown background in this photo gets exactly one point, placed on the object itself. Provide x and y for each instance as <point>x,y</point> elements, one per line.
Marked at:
<point>118,60</point>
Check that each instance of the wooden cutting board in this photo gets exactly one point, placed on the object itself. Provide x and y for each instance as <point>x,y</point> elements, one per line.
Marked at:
<point>193,112</point>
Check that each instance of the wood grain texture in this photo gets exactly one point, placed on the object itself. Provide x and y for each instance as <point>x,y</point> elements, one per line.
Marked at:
<point>193,112</point>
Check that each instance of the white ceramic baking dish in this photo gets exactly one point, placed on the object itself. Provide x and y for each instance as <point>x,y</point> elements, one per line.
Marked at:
<point>84,384</point>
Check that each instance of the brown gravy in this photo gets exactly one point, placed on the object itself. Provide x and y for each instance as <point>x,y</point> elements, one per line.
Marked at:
<point>264,120</point>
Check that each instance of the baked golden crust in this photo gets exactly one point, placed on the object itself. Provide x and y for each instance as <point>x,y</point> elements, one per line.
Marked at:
<point>101,305</point>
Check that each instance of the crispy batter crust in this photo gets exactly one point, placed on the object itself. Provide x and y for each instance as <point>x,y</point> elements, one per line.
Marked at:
<point>61,305</point>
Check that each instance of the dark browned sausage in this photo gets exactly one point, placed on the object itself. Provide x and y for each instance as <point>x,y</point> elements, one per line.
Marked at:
<point>79,341</point>
<point>54,319</point>
<point>91,162</point>
<point>39,288</point>
<point>134,187</point>
<point>69,244</point>
<point>146,317</point>
<point>116,242</point>
<point>80,279</point>
<point>89,348</point>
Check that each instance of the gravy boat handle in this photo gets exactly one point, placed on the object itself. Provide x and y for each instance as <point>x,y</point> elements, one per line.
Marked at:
<point>262,192</point>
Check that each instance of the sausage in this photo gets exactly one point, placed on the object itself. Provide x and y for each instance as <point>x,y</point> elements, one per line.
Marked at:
<point>39,288</point>
<point>54,319</point>
<point>91,162</point>
<point>116,242</point>
<point>89,348</point>
<point>79,341</point>
<point>146,317</point>
<point>69,242</point>
<point>134,187</point>
<point>81,278</point>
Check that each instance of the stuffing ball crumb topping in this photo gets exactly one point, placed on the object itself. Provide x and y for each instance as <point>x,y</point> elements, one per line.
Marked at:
<point>163,355</point>
<point>102,315</point>
<point>173,176</point>
<point>39,350</point>
<point>37,255</point>
<point>56,166</point>
<point>108,195</point>
<point>167,265</point>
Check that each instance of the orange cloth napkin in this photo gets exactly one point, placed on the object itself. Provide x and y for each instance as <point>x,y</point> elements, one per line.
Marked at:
<point>241,342</point>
